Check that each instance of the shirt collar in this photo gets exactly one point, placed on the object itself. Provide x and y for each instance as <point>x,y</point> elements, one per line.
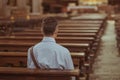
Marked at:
<point>48,39</point>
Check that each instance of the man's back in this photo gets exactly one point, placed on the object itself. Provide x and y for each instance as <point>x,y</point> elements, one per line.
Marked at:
<point>50,55</point>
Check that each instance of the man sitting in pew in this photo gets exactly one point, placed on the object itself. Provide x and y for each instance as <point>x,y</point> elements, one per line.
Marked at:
<point>47,53</point>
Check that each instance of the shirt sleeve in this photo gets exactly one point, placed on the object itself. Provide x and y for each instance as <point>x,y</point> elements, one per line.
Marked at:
<point>69,61</point>
<point>28,58</point>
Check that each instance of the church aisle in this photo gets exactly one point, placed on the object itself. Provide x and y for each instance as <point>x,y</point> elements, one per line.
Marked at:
<point>107,64</point>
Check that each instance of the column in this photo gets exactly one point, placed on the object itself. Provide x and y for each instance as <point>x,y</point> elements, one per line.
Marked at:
<point>21,3</point>
<point>0,4</point>
<point>37,6</point>
<point>2,7</point>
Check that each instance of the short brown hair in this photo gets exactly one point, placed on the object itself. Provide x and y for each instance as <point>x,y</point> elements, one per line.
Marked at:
<point>49,25</point>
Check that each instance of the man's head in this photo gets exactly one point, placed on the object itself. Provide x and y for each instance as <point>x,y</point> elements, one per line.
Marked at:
<point>49,26</point>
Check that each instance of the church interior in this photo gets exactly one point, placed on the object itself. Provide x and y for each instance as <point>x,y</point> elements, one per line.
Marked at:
<point>89,29</point>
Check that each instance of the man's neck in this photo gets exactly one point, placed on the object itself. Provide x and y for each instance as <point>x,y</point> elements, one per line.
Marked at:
<point>50,36</point>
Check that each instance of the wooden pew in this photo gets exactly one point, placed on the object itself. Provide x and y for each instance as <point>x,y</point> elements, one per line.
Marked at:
<point>59,34</point>
<point>117,30</point>
<point>64,31</point>
<point>58,39</point>
<point>74,34</point>
<point>6,27</point>
<point>9,73</point>
<point>84,33</point>
<point>94,43</point>
<point>87,28</point>
<point>19,59</point>
<point>79,28</point>
<point>23,47</point>
<point>70,33</point>
<point>80,40</point>
<point>89,40</point>
<point>76,44</point>
<point>79,25</point>
<point>81,21</point>
<point>20,46</point>
<point>93,17</point>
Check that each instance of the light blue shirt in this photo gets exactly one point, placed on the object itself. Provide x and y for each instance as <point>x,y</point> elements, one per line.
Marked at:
<point>49,55</point>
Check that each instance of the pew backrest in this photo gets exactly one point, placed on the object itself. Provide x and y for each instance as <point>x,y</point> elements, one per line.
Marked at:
<point>19,59</point>
<point>9,73</point>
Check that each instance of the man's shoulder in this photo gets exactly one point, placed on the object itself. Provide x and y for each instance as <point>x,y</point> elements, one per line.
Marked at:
<point>62,47</point>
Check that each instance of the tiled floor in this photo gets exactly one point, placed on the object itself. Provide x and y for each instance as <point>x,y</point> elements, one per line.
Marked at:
<point>107,64</point>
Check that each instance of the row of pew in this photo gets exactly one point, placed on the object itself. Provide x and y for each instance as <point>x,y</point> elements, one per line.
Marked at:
<point>81,37</point>
<point>117,30</point>
<point>7,26</point>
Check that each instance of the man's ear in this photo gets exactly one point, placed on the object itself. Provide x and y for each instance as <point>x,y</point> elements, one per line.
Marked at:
<point>57,29</point>
<point>42,31</point>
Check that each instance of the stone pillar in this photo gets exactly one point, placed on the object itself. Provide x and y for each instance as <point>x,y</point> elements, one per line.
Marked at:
<point>2,7</point>
<point>22,3</point>
<point>41,7</point>
<point>1,4</point>
<point>37,6</point>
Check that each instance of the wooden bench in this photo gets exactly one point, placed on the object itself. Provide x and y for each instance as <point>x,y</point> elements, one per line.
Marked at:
<point>20,46</point>
<point>117,30</point>
<point>64,31</point>
<point>79,28</point>
<point>58,39</point>
<point>19,59</point>
<point>67,32</point>
<point>80,25</point>
<point>10,73</point>
<point>59,34</point>
<point>81,40</point>
<point>85,43</point>
<point>23,47</point>
<point>74,47</point>
<point>90,40</point>
<point>93,16</point>
<point>6,27</point>
<point>81,21</point>
<point>76,44</point>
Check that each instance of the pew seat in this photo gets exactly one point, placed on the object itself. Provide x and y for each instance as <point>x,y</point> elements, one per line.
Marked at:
<point>10,73</point>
